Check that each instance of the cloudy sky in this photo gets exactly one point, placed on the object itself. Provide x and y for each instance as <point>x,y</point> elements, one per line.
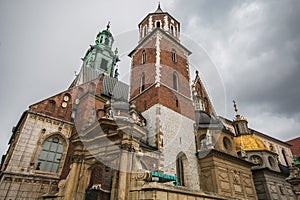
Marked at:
<point>244,50</point>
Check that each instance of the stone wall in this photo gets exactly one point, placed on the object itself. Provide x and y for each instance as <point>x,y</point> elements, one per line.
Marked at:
<point>227,176</point>
<point>15,186</point>
<point>159,191</point>
<point>19,175</point>
<point>272,185</point>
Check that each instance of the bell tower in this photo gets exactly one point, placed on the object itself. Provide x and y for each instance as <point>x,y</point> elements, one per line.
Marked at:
<point>160,87</point>
<point>160,68</point>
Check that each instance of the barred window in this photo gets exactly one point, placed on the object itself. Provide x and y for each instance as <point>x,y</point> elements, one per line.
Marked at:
<point>51,155</point>
<point>144,57</point>
<point>174,56</point>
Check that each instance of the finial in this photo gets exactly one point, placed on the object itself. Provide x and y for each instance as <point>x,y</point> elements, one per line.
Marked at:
<point>108,25</point>
<point>158,10</point>
<point>235,108</point>
<point>197,73</point>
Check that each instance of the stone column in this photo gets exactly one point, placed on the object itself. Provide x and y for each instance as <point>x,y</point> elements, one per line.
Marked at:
<point>123,174</point>
<point>125,169</point>
<point>73,178</point>
<point>84,177</point>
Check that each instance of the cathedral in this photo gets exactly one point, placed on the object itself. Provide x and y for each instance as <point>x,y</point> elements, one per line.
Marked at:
<point>157,138</point>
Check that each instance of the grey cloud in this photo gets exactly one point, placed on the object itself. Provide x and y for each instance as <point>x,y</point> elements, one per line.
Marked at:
<point>255,45</point>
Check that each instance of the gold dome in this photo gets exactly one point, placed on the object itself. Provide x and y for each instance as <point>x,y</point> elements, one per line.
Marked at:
<point>250,143</point>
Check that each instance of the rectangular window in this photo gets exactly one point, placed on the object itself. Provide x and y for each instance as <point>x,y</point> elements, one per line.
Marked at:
<point>104,63</point>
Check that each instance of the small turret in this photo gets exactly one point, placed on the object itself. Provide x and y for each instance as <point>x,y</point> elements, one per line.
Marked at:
<point>240,123</point>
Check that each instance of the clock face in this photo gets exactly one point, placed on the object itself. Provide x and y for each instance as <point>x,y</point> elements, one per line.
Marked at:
<point>66,98</point>
<point>64,104</point>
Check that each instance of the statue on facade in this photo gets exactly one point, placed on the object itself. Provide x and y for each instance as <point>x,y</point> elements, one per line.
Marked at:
<point>208,140</point>
<point>294,172</point>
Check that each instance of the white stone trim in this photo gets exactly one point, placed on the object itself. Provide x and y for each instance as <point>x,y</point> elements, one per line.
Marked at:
<point>166,25</point>
<point>150,24</point>
<point>157,63</point>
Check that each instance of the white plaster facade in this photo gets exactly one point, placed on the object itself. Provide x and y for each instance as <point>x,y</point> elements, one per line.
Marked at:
<point>178,137</point>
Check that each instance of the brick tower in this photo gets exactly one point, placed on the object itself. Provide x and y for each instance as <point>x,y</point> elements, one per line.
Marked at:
<point>160,86</point>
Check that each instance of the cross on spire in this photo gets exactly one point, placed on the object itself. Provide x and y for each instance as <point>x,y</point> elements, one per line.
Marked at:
<point>235,108</point>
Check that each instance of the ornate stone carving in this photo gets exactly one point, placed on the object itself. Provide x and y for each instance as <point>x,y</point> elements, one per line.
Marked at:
<point>294,172</point>
<point>236,177</point>
<point>61,187</point>
<point>128,147</point>
<point>78,158</point>
<point>143,175</point>
<point>108,110</point>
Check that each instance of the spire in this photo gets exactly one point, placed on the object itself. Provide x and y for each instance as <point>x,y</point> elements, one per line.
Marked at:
<point>237,115</point>
<point>108,25</point>
<point>158,10</point>
<point>235,109</point>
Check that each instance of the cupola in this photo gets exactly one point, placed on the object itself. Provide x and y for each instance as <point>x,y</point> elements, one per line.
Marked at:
<point>240,123</point>
<point>105,37</point>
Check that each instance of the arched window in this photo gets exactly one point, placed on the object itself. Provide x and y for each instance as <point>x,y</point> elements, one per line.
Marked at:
<point>142,88</point>
<point>51,105</point>
<point>175,81</point>
<point>144,57</point>
<point>237,129</point>
<point>106,41</point>
<point>177,102</point>
<point>51,155</point>
<point>174,56</point>
<point>172,30</point>
<point>158,24</point>
<point>227,143</point>
<point>271,161</point>
<point>181,167</point>
<point>92,87</point>
<point>145,31</point>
